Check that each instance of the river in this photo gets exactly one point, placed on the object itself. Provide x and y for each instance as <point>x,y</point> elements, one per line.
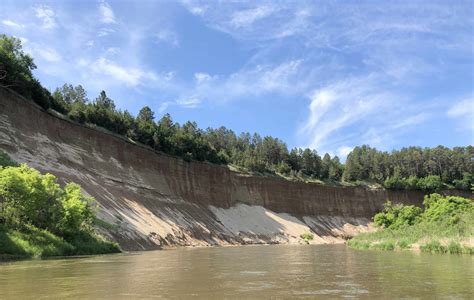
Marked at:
<point>242,272</point>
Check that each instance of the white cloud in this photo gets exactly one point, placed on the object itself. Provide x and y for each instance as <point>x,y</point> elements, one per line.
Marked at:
<point>167,36</point>
<point>247,17</point>
<point>190,102</point>
<point>11,23</point>
<point>48,54</point>
<point>358,110</point>
<point>462,108</point>
<point>41,51</point>
<point>112,51</point>
<point>129,76</point>
<point>164,106</point>
<point>105,32</point>
<point>194,7</point>
<point>283,78</point>
<point>343,151</point>
<point>202,77</point>
<point>107,14</point>
<point>47,16</point>
<point>463,112</point>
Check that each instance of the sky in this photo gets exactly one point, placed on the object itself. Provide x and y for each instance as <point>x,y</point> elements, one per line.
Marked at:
<point>328,75</point>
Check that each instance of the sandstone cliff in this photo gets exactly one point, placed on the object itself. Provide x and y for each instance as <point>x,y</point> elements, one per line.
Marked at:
<point>154,200</point>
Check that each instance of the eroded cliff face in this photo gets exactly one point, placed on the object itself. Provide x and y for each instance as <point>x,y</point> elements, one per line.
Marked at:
<point>153,200</point>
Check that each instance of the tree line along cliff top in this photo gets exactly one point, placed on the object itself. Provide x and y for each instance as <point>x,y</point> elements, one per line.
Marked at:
<point>407,168</point>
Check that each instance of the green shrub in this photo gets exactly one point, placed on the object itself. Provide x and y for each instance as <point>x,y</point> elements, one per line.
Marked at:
<point>433,247</point>
<point>448,209</point>
<point>455,248</point>
<point>358,244</point>
<point>6,161</point>
<point>430,183</point>
<point>465,183</point>
<point>307,237</point>
<point>443,218</point>
<point>394,183</point>
<point>396,216</point>
<point>384,245</point>
<point>403,244</point>
<point>411,183</point>
<point>38,218</point>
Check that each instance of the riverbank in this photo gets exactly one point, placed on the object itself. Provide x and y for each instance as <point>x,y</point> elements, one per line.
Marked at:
<point>36,243</point>
<point>446,225</point>
<point>40,219</point>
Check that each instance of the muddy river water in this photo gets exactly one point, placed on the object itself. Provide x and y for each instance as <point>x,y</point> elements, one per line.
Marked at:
<point>323,271</point>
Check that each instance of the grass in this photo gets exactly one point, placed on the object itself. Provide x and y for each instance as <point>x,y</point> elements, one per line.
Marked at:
<point>32,242</point>
<point>426,237</point>
<point>446,225</point>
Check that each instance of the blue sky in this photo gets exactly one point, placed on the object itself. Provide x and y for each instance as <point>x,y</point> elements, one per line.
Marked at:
<point>329,75</point>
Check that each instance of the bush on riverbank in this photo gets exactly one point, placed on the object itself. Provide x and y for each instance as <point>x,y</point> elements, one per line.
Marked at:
<point>38,218</point>
<point>446,225</point>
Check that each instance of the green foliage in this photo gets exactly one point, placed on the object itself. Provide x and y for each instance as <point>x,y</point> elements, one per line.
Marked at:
<point>251,152</point>
<point>465,183</point>
<point>449,219</point>
<point>33,242</point>
<point>430,183</point>
<point>6,161</point>
<point>384,245</point>
<point>358,244</point>
<point>403,244</point>
<point>307,237</point>
<point>42,219</point>
<point>396,216</point>
<point>434,247</point>
<point>413,167</point>
<point>455,248</point>
<point>16,72</point>
<point>448,210</point>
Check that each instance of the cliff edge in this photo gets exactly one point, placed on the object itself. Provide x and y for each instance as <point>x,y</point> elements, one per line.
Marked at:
<point>151,200</point>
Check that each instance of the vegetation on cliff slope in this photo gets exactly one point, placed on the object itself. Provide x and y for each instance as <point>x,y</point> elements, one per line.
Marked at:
<point>408,168</point>
<point>446,225</point>
<point>38,218</point>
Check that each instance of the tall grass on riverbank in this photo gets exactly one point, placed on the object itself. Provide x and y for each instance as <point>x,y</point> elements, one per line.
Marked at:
<point>38,218</point>
<point>446,225</point>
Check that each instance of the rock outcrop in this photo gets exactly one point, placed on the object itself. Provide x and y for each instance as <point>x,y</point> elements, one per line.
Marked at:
<point>152,200</point>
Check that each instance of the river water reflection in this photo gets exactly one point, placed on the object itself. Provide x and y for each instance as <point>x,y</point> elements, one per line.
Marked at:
<point>243,272</point>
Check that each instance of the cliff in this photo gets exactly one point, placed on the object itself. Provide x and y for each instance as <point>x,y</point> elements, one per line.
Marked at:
<point>152,200</point>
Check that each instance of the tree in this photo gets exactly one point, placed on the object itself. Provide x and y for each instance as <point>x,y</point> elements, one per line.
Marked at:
<point>336,169</point>
<point>16,72</point>
<point>146,127</point>
<point>146,115</point>
<point>103,101</point>
<point>325,166</point>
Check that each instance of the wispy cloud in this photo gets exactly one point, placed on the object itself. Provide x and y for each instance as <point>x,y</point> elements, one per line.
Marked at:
<point>11,23</point>
<point>167,36</point>
<point>247,17</point>
<point>47,16</point>
<point>463,112</point>
<point>283,78</point>
<point>105,32</point>
<point>129,76</point>
<point>107,14</point>
<point>348,72</point>
<point>356,111</point>
<point>48,54</point>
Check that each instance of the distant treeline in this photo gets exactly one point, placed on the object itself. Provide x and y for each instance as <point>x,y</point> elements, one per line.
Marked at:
<point>430,168</point>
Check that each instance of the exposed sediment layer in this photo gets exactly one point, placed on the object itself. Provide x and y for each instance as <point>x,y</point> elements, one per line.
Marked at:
<point>154,200</point>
